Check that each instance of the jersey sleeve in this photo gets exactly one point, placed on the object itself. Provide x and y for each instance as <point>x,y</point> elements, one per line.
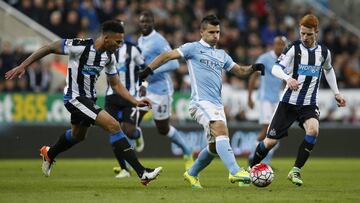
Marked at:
<point>110,68</point>
<point>228,62</point>
<point>138,58</point>
<point>286,59</point>
<point>185,50</point>
<point>327,64</point>
<point>74,46</point>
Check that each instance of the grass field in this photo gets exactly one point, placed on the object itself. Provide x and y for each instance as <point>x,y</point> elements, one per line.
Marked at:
<point>92,180</point>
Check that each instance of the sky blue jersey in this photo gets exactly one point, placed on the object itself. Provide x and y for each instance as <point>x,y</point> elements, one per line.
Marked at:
<point>270,86</point>
<point>205,64</point>
<point>152,46</point>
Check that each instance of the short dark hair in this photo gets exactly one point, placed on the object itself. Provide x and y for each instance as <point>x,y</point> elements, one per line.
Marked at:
<point>112,26</point>
<point>148,14</point>
<point>209,19</point>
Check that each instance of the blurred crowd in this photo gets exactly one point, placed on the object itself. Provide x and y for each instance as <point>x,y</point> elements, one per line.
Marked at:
<point>248,29</point>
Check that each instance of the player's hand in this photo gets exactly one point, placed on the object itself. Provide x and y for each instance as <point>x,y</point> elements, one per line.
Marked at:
<point>250,103</point>
<point>144,102</point>
<point>259,67</point>
<point>143,74</point>
<point>18,71</point>
<point>292,84</point>
<point>340,101</point>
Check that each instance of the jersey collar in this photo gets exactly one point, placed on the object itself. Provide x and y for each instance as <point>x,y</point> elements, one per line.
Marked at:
<point>205,44</point>
<point>149,35</point>
<point>312,48</point>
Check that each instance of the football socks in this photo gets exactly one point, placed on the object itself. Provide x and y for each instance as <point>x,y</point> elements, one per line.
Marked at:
<point>176,138</point>
<point>304,150</point>
<point>260,153</point>
<point>65,142</point>
<point>204,159</point>
<point>226,154</point>
<point>122,148</point>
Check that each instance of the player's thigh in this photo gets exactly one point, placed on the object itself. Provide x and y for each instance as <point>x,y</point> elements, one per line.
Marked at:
<point>204,112</point>
<point>310,115</point>
<point>267,110</point>
<point>284,117</point>
<point>218,128</point>
<point>161,106</point>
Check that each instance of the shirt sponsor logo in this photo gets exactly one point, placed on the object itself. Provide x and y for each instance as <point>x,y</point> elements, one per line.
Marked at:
<point>309,70</point>
<point>212,64</point>
<point>91,70</point>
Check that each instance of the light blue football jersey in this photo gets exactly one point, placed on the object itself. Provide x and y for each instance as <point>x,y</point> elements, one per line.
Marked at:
<point>270,86</point>
<point>205,66</point>
<point>152,46</point>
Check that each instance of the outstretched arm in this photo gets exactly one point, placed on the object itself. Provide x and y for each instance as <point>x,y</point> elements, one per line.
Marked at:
<point>158,61</point>
<point>54,47</point>
<point>241,71</point>
<point>251,86</point>
<point>124,93</point>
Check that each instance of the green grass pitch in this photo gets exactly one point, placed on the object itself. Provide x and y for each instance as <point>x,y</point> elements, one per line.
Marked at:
<point>92,180</point>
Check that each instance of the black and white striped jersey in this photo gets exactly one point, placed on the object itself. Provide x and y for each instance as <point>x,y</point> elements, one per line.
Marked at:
<point>306,66</point>
<point>84,67</point>
<point>128,63</point>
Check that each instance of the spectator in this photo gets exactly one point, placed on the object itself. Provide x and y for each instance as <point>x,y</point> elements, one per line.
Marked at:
<point>39,77</point>
<point>72,27</point>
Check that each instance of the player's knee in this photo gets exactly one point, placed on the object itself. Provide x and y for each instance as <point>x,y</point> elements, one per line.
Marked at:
<point>113,126</point>
<point>218,128</point>
<point>312,130</point>
<point>270,143</point>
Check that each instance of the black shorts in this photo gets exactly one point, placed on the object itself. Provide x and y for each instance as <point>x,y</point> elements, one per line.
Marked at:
<point>286,114</point>
<point>121,109</point>
<point>83,111</point>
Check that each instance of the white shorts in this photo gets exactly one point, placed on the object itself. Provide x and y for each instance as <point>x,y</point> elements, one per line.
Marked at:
<point>161,105</point>
<point>204,112</point>
<point>267,110</point>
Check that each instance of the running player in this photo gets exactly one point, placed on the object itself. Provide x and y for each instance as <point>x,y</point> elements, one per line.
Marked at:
<point>86,59</point>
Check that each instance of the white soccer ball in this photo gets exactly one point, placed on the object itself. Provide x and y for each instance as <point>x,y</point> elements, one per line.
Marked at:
<point>261,175</point>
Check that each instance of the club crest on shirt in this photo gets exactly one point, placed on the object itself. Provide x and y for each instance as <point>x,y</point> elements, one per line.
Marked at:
<point>272,132</point>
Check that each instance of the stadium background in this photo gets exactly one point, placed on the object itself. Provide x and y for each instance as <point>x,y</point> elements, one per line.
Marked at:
<point>31,108</point>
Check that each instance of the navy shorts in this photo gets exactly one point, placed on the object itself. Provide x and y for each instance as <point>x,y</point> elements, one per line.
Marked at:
<point>83,111</point>
<point>286,114</point>
<point>121,109</point>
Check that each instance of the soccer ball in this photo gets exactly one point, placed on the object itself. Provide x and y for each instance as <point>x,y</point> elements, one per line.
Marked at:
<point>261,175</point>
